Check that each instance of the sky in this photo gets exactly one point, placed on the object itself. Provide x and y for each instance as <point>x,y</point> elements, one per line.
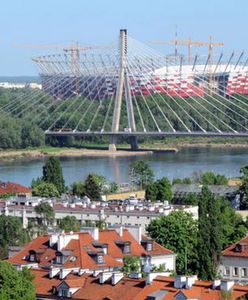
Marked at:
<point>97,22</point>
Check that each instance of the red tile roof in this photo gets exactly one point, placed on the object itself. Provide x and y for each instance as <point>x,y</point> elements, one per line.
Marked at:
<point>128,289</point>
<point>80,250</point>
<point>157,249</point>
<point>11,187</point>
<point>231,251</point>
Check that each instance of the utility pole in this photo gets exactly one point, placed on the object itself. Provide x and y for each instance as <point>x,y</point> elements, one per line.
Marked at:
<point>123,88</point>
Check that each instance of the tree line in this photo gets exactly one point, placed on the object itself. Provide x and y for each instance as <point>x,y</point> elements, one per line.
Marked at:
<point>72,110</point>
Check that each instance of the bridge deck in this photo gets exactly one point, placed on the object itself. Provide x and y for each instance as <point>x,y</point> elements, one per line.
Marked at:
<point>142,134</point>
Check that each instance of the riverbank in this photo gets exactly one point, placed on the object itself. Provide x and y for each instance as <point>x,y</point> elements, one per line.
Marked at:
<point>181,143</point>
<point>7,155</point>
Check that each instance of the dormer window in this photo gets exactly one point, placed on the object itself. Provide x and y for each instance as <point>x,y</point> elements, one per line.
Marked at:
<point>97,256</point>
<point>100,259</point>
<point>240,247</point>
<point>147,244</point>
<point>32,256</point>
<point>59,258</point>
<point>102,246</point>
<point>125,246</point>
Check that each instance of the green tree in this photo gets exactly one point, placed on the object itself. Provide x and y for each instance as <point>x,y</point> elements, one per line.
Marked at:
<point>244,188</point>
<point>131,264</point>
<point>46,213</point>
<point>11,234</point>
<point>209,178</point>
<point>159,190</point>
<point>151,192</point>
<point>45,189</point>
<point>185,180</point>
<point>52,173</point>
<point>93,188</point>
<point>113,188</point>
<point>177,232</point>
<point>164,189</point>
<point>78,189</point>
<point>69,223</point>
<point>210,235</point>
<point>141,173</point>
<point>221,180</point>
<point>15,285</point>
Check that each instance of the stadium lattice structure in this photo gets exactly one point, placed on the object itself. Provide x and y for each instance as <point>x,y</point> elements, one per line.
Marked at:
<point>132,90</point>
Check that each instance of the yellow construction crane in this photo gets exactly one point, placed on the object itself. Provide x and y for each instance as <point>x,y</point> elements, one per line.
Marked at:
<point>74,49</point>
<point>190,43</point>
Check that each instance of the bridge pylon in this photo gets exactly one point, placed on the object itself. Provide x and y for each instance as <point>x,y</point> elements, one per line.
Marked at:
<point>123,90</point>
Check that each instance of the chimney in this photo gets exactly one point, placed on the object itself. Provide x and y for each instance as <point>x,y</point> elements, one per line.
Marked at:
<point>116,277</point>
<point>180,281</point>
<point>216,283</point>
<point>135,231</point>
<point>104,276</point>
<point>53,239</point>
<point>64,239</point>
<point>190,280</point>
<point>135,275</point>
<point>226,285</point>
<point>151,276</point>
<point>93,231</point>
<point>53,272</point>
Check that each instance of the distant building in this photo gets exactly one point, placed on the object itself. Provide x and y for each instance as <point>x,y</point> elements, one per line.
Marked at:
<point>91,250</point>
<point>13,188</point>
<point>91,213</point>
<point>21,85</point>
<point>234,262</point>
<point>231,193</point>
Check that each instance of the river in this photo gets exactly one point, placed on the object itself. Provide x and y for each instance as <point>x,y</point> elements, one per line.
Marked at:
<point>181,164</point>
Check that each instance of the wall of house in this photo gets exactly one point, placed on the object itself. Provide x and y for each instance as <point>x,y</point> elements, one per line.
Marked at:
<point>230,262</point>
<point>168,260</point>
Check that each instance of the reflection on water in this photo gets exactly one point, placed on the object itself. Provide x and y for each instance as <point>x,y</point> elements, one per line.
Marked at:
<point>181,164</point>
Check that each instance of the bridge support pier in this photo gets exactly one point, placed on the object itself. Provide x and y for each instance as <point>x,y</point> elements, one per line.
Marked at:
<point>134,143</point>
<point>112,143</point>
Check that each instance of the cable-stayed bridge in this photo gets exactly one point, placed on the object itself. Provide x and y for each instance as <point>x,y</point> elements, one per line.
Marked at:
<point>130,90</point>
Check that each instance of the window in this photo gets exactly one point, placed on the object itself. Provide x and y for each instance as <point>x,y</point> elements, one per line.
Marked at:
<point>149,247</point>
<point>32,257</point>
<point>227,271</point>
<point>244,272</point>
<point>64,293</point>
<point>100,259</point>
<point>127,248</point>
<point>235,271</point>
<point>59,258</point>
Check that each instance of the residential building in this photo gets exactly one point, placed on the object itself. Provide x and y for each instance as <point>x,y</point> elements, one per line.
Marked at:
<point>234,262</point>
<point>13,188</point>
<point>92,250</point>
<point>115,286</point>
<point>232,193</point>
<point>91,213</point>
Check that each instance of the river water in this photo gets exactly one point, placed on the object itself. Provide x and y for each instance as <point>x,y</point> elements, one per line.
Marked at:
<point>181,164</point>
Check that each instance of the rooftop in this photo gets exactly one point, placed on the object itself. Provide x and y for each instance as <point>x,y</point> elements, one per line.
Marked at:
<point>11,187</point>
<point>115,286</point>
<point>79,250</point>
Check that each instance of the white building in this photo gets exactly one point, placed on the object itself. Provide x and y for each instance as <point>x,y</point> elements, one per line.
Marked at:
<point>92,250</point>
<point>234,262</point>
<point>112,214</point>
